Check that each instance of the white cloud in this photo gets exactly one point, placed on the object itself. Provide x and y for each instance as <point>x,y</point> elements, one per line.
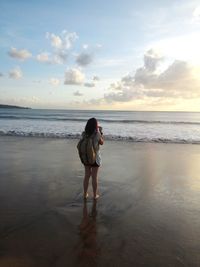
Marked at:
<point>123,94</point>
<point>19,54</point>
<point>84,59</point>
<point>68,39</point>
<point>89,84</point>
<point>95,78</point>
<point>85,46</point>
<point>183,47</point>
<point>64,41</point>
<point>74,76</point>
<point>54,81</point>
<point>77,93</point>
<point>58,58</point>
<point>61,44</point>
<point>61,50</point>
<point>55,40</point>
<point>43,57</point>
<point>34,99</point>
<point>178,80</point>
<point>151,59</point>
<point>196,14</point>
<point>93,102</point>
<point>15,73</point>
<point>93,81</point>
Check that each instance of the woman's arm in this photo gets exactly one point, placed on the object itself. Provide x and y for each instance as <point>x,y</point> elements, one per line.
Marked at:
<point>101,140</point>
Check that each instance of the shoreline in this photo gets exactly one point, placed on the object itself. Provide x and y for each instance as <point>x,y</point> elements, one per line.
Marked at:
<point>107,139</point>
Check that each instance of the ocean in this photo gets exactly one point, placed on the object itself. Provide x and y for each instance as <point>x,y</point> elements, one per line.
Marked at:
<point>162,127</point>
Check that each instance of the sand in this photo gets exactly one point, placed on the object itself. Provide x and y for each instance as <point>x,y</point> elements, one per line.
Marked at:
<point>148,213</point>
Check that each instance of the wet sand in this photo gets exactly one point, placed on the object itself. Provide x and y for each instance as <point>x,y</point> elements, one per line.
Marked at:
<point>148,213</point>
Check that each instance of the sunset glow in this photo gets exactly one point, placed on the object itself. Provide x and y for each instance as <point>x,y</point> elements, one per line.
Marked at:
<point>130,55</point>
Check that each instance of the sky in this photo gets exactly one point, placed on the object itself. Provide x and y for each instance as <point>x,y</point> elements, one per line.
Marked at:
<point>117,55</point>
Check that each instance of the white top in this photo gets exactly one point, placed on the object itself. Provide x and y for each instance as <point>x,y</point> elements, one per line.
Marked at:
<point>97,137</point>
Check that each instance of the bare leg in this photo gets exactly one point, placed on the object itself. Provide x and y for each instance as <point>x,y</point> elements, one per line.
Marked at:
<point>86,180</point>
<point>95,181</point>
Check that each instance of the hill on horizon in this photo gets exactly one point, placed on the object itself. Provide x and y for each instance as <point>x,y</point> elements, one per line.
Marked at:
<point>11,106</point>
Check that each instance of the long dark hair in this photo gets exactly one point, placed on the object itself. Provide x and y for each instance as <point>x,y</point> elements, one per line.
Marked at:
<point>91,126</point>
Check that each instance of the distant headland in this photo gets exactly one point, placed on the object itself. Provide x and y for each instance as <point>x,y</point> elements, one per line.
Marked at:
<point>10,106</point>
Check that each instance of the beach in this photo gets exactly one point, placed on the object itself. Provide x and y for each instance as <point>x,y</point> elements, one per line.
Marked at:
<point>148,213</point>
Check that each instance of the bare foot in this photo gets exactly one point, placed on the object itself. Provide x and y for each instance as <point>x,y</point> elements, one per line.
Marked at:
<point>86,196</point>
<point>96,197</point>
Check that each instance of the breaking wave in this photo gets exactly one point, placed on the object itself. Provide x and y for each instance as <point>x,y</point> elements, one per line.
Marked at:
<point>107,137</point>
<point>55,118</point>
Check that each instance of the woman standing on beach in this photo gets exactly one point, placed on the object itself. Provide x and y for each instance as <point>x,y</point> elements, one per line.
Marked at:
<point>93,131</point>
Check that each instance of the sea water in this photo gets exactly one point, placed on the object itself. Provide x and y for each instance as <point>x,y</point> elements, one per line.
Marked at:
<point>166,127</point>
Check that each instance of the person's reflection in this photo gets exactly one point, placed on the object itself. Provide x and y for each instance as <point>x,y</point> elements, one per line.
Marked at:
<point>89,250</point>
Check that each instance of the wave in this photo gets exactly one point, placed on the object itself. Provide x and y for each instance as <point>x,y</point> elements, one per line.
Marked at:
<point>15,117</point>
<point>39,134</point>
<point>107,137</point>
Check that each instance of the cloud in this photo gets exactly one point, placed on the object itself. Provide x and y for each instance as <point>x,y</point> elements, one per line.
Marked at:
<point>55,40</point>
<point>15,73</point>
<point>54,81</point>
<point>196,14</point>
<point>43,57</point>
<point>178,80</point>
<point>77,93</point>
<point>34,99</point>
<point>89,84</point>
<point>64,41</point>
<point>94,102</point>
<point>124,93</point>
<point>178,76</point>
<point>84,59</point>
<point>74,76</point>
<point>1,74</point>
<point>85,46</point>
<point>151,59</point>
<point>58,58</point>
<point>95,78</point>
<point>19,54</point>
<point>61,44</point>
<point>93,82</point>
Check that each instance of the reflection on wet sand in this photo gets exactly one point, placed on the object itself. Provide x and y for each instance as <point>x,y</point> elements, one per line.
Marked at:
<point>148,213</point>
<point>88,250</point>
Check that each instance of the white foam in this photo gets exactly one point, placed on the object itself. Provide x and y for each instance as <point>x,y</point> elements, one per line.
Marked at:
<point>107,137</point>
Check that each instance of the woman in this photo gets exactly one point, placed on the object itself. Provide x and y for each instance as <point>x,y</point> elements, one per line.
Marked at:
<point>92,128</point>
